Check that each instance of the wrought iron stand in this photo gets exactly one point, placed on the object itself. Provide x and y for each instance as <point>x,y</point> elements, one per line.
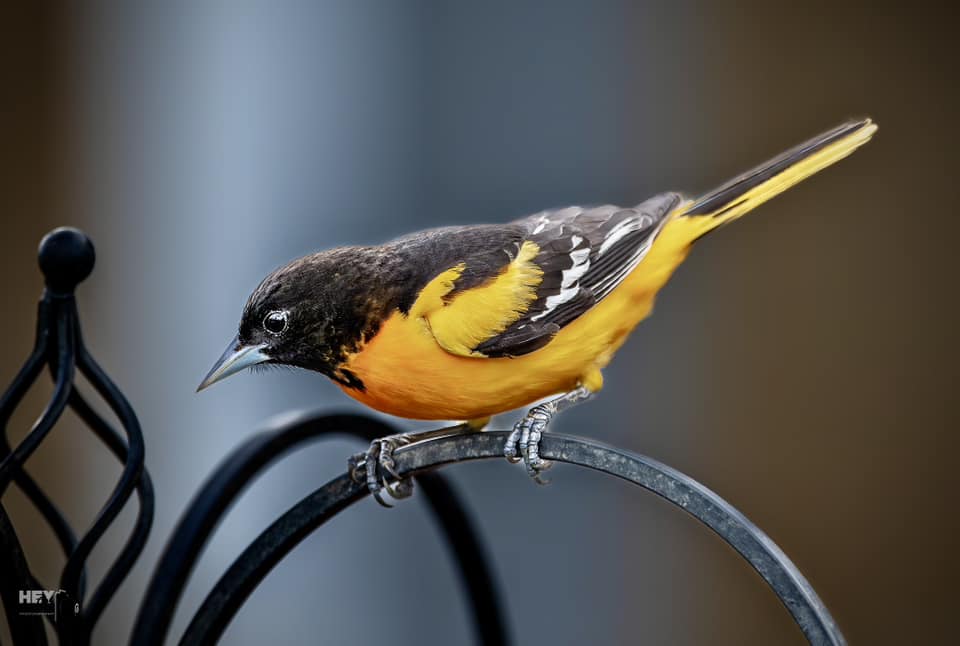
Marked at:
<point>67,258</point>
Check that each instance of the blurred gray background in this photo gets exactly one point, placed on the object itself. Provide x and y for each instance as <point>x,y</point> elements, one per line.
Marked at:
<point>802,363</point>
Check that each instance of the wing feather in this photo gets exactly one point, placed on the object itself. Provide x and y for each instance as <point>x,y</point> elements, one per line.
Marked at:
<point>512,300</point>
<point>461,320</point>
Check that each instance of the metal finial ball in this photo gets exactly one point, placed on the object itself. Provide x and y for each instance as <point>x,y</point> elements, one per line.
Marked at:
<point>66,258</point>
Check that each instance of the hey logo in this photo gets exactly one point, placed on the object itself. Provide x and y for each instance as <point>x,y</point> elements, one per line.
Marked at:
<point>47,602</point>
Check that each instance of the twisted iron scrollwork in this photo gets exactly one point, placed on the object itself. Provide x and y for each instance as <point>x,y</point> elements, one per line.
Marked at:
<point>66,258</point>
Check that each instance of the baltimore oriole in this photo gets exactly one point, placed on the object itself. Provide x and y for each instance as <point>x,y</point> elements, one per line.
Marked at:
<point>469,321</point>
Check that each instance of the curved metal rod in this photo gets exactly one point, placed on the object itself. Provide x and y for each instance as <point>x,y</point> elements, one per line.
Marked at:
<point>268,549</point>
<point>31,368</point>
<point>27,376</point>
<point>15,576</point>
<point>239,469</point>
<point>50,415</point>
<point>130,476</point>
<point>211,502</point>
<point>57,523</point>
<point>252,566</point>
<point>475,566</point>
<point>138,536</point>
<point>764,556</point>
<point>50,309</point>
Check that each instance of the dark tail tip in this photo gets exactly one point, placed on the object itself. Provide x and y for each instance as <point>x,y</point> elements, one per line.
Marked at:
<point>717,198</point>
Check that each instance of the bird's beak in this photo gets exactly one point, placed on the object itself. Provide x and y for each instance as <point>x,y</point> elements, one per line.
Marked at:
<point>235,358</point>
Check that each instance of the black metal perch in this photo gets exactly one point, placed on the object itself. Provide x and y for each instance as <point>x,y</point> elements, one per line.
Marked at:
<point>243,465</point>
<point>66,258</point>
<point>276,542</point>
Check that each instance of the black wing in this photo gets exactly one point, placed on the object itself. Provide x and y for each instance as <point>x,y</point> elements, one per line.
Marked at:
<point>584,254</point>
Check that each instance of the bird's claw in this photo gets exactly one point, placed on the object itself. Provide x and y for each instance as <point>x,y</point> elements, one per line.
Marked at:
<point>523,443</point>
<point>376,467</point>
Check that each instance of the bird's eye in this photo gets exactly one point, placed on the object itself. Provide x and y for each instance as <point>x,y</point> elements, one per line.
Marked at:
<point>275,322</point>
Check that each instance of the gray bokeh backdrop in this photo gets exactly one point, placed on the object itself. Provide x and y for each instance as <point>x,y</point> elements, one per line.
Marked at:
<point>800,363</point>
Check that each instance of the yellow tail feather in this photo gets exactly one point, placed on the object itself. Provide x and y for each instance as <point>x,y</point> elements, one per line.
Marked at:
<point>750,190</point>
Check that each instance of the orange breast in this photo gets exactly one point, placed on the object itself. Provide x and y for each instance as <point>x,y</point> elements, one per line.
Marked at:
<point>406,373</point>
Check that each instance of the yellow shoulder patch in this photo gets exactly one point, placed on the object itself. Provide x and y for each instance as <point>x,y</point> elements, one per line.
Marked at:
<point>480,313</point>
<point>431,296</point>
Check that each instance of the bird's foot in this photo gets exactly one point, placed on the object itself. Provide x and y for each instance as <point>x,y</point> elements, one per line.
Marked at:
<point>376,467</point>
<point>523,443</point>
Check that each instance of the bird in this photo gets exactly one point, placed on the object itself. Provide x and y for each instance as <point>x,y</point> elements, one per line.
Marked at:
<point>465,322</point>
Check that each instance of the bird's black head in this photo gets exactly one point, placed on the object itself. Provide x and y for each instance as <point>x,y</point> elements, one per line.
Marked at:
<point>308,313</point>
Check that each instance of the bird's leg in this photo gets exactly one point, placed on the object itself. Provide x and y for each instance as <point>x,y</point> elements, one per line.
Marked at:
<point>524,441</point>
<point>376,465</point>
